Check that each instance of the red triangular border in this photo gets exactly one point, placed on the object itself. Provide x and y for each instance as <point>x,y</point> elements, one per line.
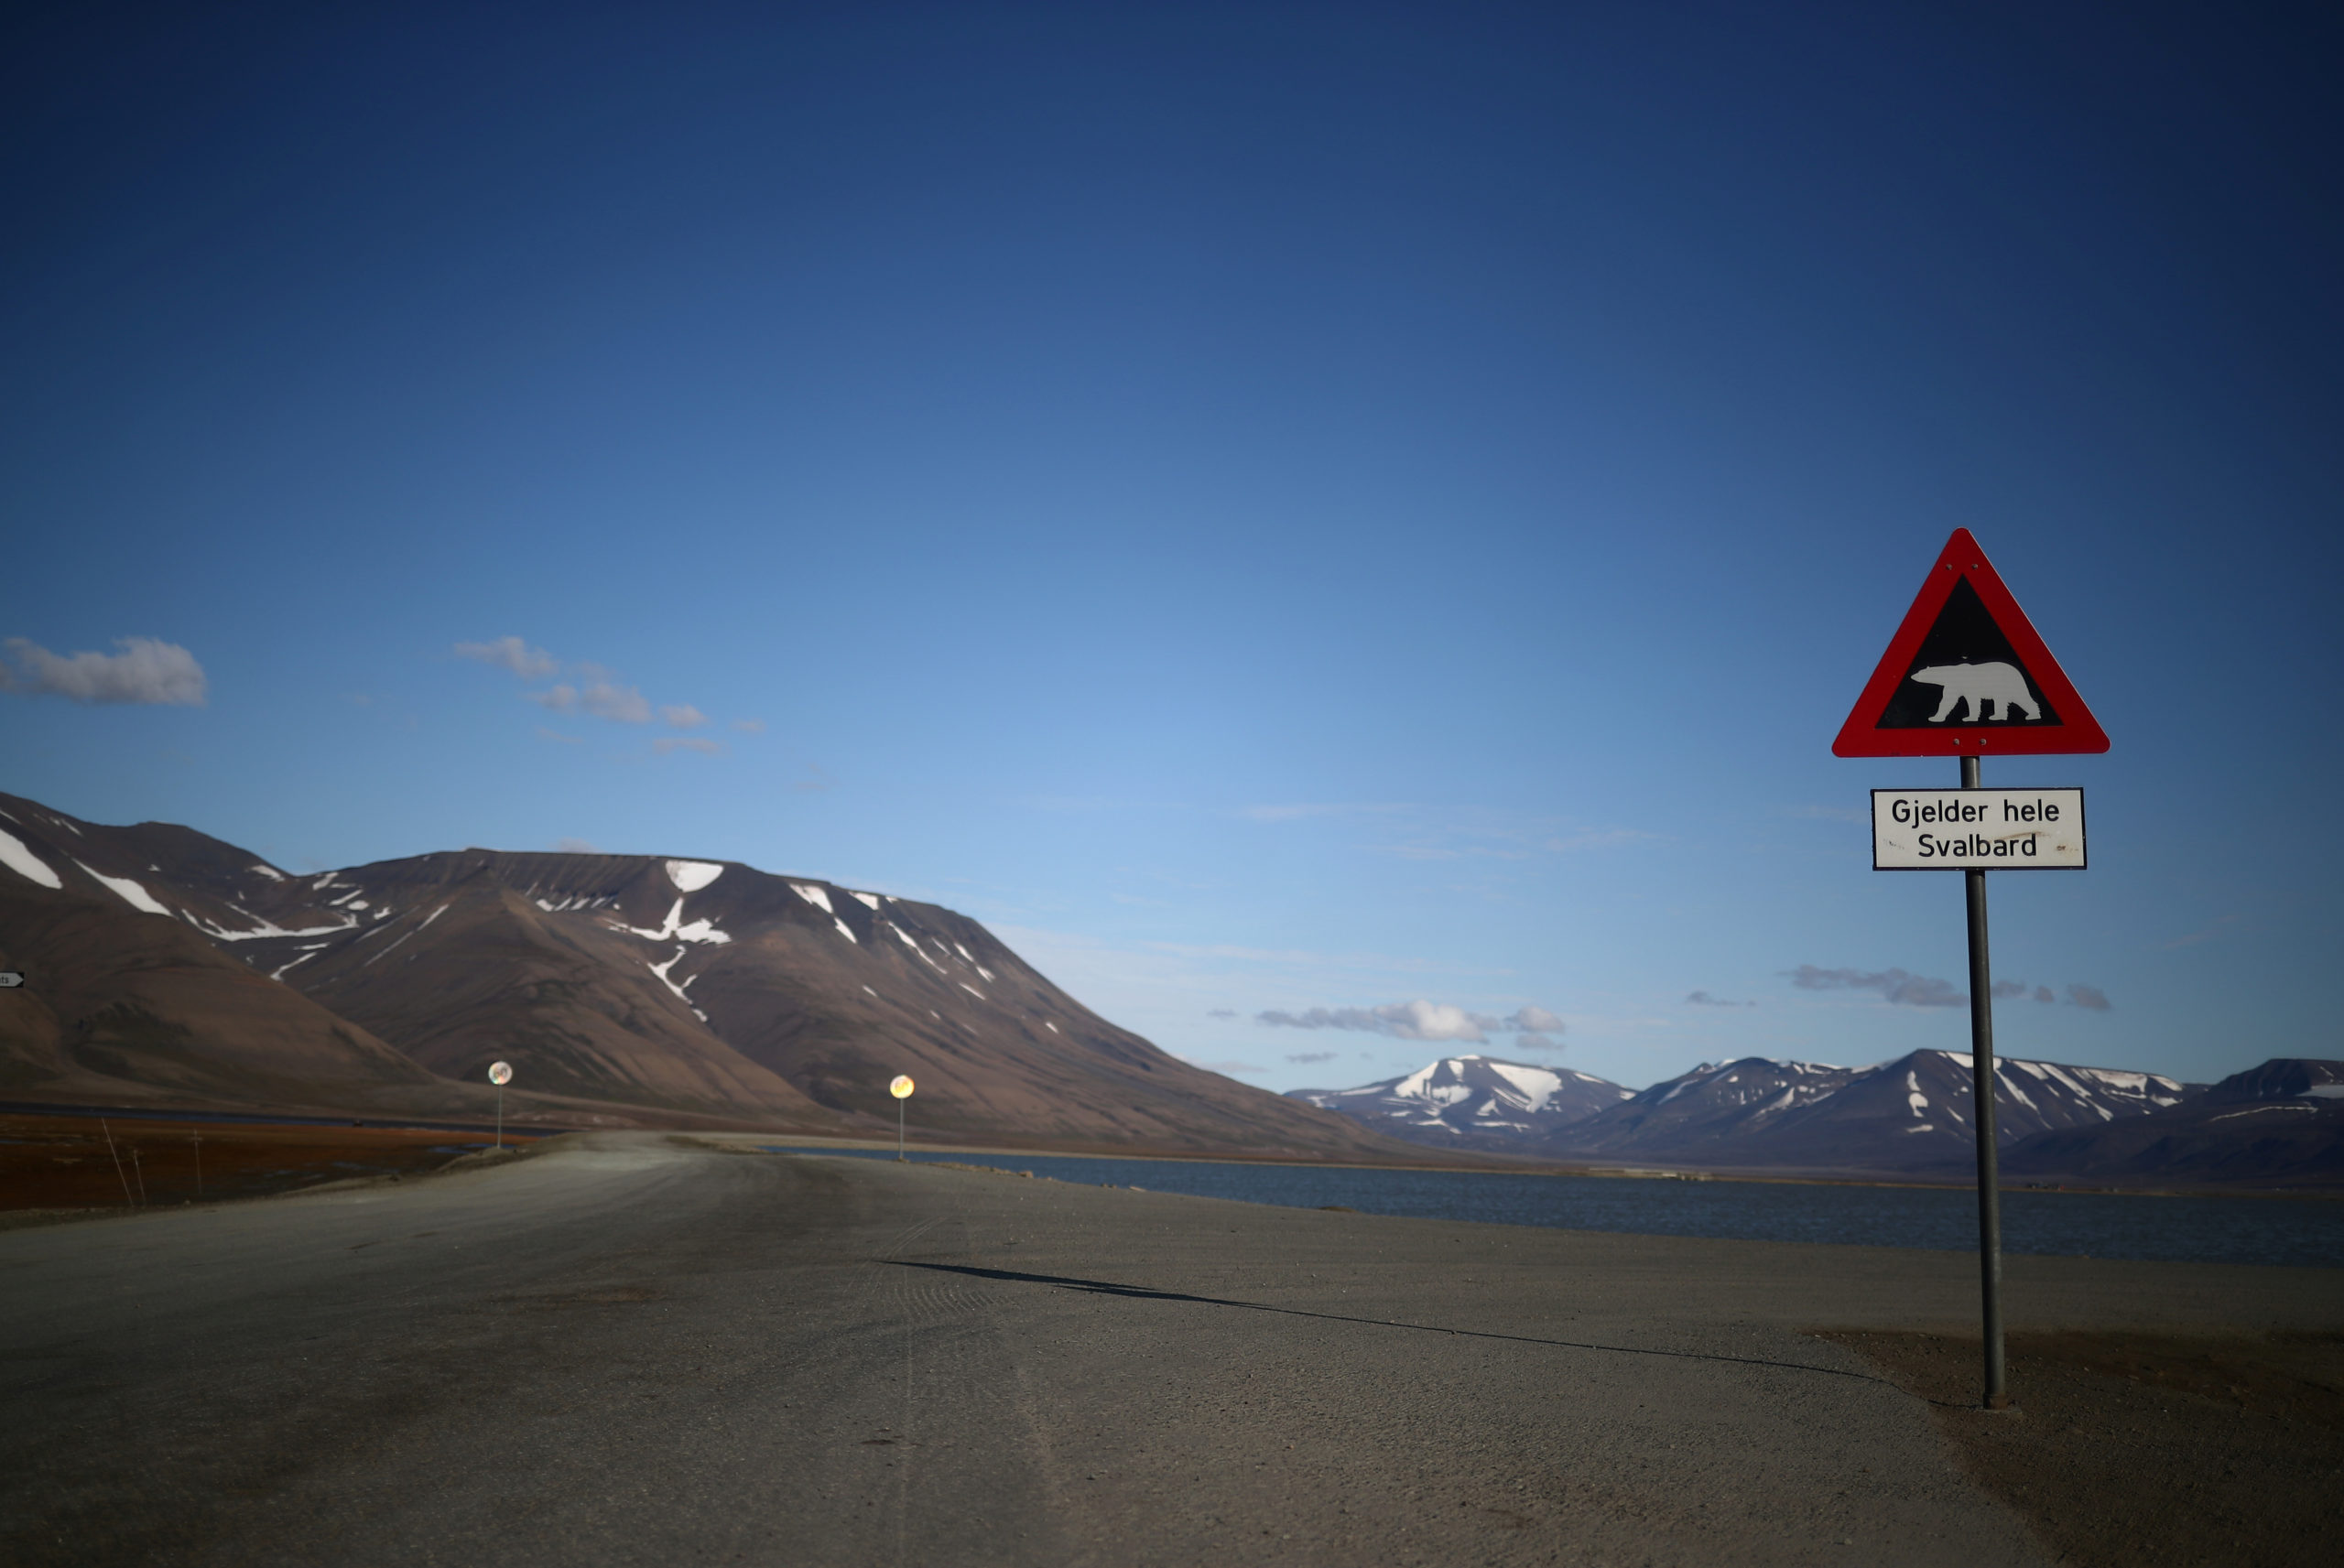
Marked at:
<point>2076,730</point>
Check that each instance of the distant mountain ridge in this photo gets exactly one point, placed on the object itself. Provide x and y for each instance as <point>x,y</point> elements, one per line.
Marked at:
<point>2279,1124</point>
<point>1908,1115</point>
<point>1472,1102</point>
<point>169,966</point>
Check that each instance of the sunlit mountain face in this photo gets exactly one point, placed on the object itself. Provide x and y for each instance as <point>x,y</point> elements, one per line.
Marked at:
<point>168,964</point>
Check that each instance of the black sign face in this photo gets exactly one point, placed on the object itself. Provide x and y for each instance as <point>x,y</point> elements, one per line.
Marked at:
<point>1966,674</point>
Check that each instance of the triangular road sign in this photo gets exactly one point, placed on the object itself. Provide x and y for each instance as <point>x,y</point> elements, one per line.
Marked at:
<point>1966,675</point>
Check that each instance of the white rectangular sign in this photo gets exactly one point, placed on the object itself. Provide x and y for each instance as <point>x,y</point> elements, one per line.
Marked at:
<point>1977,829</point>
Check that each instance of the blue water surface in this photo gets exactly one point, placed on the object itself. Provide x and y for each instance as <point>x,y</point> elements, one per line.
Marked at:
<point>2294,1232</point>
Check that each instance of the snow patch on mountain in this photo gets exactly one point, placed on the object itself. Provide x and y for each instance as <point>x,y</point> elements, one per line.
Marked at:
<point>691,876</point>
<point>130,892</point>
<point>675,928</point>
<point>814,896</point>
<point>25,863</point>
<point>410,931</point>
<point>265,929</point>
<point>662,971</point>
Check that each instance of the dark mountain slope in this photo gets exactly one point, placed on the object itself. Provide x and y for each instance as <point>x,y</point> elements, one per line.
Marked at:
<point>684,987</point>
<point>126,1005</point>
<point>2280,1124</point>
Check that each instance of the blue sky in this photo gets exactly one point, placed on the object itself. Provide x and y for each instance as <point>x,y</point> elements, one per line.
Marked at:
<point>1269,507</point>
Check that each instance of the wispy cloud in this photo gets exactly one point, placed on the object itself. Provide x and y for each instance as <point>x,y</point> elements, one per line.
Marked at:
<point>1596,839</point>
<point>1298,813</point>
<point>602,698</point>
<point>605,699</point>
<point>2194,937</point>
<point>511,654</point>
<point>1298,958</point>
<point>591,689</point>
<point>146,671</point>
<point>1418,1019</point>
<point>1222,1012</point>
<point>2090,996</point>
<point>1305,1058</point>
<point>1895,986</point>
<point>1703,999</point>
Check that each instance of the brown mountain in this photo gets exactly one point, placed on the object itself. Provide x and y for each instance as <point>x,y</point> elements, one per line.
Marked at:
<point>688,988</point>
<point>2278,1125</point>
<point>124,1005</point>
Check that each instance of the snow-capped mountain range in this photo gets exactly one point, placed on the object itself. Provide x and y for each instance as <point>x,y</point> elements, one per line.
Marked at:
<point>1473,1102</point>
<point>1907,1114</point>
<point>1910,1114</point>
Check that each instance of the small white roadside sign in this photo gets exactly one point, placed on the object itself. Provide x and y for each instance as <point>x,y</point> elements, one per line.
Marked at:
<point>1977,829</point>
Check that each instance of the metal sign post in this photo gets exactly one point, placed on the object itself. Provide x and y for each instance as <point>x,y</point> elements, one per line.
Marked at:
<point>500,1074</point>
<point>1967,674</point>
<point>1982,1101</point>
<point>901,1087</point>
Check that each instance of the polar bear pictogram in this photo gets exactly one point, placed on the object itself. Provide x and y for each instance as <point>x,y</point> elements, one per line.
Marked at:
<point>2002,685</point>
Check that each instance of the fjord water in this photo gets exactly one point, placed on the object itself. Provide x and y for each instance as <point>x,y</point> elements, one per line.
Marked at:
<point>2292,1232</point>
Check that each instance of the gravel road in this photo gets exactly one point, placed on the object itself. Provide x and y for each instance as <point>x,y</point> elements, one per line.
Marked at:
<point>632,1349</point>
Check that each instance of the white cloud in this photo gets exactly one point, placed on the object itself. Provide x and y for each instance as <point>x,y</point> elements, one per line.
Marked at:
<point>593,690</point>
<point>146,671</point>
<point>2090,996</point>
<point>623,703</point>
<point>1418,1019</point>
<point>511,654</point>
<point>749,726</point>
<point>667,744</point>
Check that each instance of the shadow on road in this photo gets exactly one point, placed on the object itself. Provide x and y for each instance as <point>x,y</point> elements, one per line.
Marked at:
<point>1141,1292</point>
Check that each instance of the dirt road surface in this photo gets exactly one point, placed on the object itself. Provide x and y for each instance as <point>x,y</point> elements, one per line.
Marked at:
<point>633,1349</point>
